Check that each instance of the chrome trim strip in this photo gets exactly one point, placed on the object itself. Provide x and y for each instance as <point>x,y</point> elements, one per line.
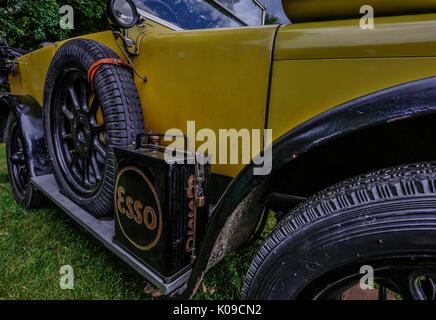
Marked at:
<point>159,20</point>
<point>215,3</point>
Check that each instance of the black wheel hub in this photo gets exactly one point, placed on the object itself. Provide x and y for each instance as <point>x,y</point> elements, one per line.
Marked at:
<point>81,133</point>
<point>80,143</point>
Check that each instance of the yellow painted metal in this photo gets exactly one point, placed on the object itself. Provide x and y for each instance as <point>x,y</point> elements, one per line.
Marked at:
<point>31,72</point>
<point>302,89</point>
<point>219,78</point>
<point>322,65</point>
<point>33,66</point>
<point>312,10</point>
<point>403,36</point>
<point>138,32</point>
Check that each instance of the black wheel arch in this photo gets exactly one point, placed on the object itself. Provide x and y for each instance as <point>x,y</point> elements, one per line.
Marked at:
<point>4,113</point>
<point>386,113</point>
<point>28,114</point>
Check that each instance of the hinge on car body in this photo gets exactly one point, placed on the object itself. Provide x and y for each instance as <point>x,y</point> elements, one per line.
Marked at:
<point>7,56</point>
<point>11,65</point>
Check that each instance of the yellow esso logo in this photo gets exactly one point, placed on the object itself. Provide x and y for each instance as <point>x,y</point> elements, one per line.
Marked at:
<point>137,208</point>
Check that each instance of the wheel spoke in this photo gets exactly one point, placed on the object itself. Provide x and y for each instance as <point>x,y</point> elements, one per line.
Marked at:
<point>74,158</point>
<point>425,287</point>
<point>100,149</point>
<point>68,114</point>
<point>67,136</point>
<point>382,293</point>
<point>94,105</point>
<point>18,158</point>
<point>73,97</point>
<point>98,127</point>
<point>76,169</point>
<point>85,170</point>
<point>84,95</point>
<point>95,168</point>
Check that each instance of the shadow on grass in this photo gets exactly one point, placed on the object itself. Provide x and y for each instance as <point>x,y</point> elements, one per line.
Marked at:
<point>4,178</point>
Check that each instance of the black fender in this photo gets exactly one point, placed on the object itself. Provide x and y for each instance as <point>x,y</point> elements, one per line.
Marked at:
<point>412,99</point>
<point>29,118</point>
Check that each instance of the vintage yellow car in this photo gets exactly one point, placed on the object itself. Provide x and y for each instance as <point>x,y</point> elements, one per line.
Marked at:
<point>327,122</point>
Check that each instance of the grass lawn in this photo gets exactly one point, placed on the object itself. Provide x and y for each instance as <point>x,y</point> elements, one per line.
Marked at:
<point>35,244</point>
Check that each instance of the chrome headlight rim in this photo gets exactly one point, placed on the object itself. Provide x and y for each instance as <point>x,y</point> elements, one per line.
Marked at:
<point>115,19</point>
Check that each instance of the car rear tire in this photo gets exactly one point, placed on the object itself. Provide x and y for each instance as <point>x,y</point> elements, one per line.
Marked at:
<point>383,221</point>
<point>24,193</point>
<point>83,126</point>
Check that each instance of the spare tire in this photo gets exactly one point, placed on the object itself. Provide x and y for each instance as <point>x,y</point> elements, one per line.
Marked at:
<point>83,126</point>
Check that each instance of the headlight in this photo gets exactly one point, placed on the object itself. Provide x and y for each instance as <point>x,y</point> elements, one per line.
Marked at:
<point>122,13</point>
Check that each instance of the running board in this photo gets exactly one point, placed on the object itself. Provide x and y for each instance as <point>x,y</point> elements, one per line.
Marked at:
<point>103,231</point>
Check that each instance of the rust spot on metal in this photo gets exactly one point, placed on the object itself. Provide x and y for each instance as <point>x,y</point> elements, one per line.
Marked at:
<point>155,293</point>
<point>155,140</point>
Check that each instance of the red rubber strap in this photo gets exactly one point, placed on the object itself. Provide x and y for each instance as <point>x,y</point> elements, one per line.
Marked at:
<point>99,63</point>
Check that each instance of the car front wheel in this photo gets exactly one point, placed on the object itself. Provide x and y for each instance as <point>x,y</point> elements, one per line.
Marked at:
<point>379,226</point>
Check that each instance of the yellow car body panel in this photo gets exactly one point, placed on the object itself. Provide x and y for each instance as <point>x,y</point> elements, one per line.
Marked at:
<point>303,89</point>
<point>33,67</point>
<point>318,66</point>
<point>220,77</point>
<point>196,75</point>
<point>403,36</point>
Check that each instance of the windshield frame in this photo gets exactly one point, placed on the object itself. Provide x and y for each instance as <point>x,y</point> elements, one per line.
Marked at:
<point>163,22</point>
<point>213,3</point>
